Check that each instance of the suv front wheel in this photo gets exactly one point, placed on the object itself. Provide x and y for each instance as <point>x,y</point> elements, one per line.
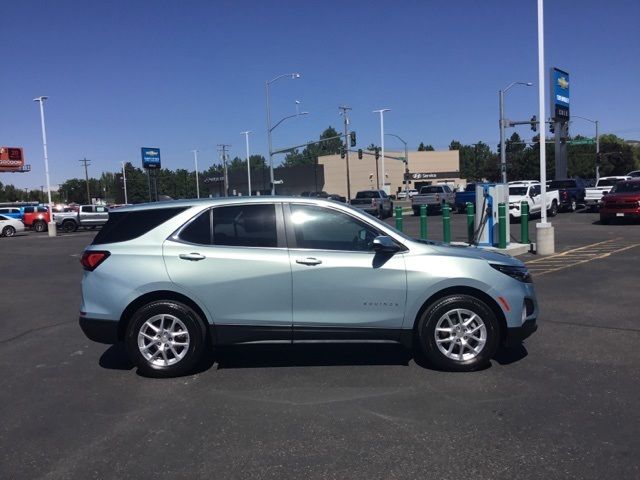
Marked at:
<point>165,338</point>
<point>458,333</point>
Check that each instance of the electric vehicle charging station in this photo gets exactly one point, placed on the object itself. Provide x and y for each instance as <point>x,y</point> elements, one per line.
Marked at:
<point>488,196</point>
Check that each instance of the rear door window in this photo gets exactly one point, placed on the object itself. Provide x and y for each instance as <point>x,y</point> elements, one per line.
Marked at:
<point>245,226</point>
<point>198,230</point>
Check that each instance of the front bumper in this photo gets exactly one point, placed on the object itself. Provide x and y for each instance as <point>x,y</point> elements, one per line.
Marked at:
<point>101,331</point>
<point>515,336</point>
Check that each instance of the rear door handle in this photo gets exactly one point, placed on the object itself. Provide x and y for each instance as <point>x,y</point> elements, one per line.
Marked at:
<point>308,261</point>
<point>194,257</point>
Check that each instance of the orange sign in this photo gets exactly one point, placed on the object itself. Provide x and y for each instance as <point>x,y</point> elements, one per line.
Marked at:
<point>11,159</point>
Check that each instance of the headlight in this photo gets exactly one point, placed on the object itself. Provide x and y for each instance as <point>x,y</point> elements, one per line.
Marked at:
<point>519,273</point>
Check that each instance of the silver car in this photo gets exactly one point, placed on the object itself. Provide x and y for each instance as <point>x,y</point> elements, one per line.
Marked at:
<point>173,279</point>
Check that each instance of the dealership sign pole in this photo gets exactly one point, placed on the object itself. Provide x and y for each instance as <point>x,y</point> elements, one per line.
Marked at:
<point>151,161</point>
<point>52,224</point>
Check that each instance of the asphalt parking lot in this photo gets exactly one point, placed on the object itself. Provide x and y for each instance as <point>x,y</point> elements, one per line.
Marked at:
<point>565,405</point>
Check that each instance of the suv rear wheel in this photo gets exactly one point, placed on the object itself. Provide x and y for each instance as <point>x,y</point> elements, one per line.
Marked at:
<point>165,338</point>
<point>39,226</point>
<point>458,333</point>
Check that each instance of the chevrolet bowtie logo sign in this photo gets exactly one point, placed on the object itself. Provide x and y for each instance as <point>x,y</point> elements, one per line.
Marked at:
<point>563,83</point>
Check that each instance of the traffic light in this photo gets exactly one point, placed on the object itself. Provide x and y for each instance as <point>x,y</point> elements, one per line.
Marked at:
<point>359,154</point>
<point>499,148</point>
<point>534,123</point>
<point>377,150</point>
<point>342,154</point>
<point>353,138</point>
<point>552,128</point>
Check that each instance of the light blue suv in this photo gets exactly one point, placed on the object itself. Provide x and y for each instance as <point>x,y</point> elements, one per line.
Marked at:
<point>173,279</point>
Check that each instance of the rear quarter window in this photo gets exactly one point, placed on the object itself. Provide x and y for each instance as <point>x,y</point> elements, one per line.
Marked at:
<point>124,226</point>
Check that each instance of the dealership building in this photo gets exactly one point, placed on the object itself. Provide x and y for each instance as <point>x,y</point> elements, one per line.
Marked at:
<point>330,174</point>
<point>424,168</point>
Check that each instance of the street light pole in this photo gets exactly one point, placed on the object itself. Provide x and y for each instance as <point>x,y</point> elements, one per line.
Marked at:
<point>406,162</point>
<point>503,153</point>
<point>597,123</point>
<point>52,224</point>
<point>381,112</point>
<point>345,109</point>
<point>269,129</point>
<point>124,181</point>
<point>246,138</point>
<point>195,159</point>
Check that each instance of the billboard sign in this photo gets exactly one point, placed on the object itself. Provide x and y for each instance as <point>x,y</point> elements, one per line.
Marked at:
<point>11,159</point>
<point>560,95</point>
<point>150,157</point>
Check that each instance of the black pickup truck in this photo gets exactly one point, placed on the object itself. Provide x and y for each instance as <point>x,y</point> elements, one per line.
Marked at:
<point>570,193</point>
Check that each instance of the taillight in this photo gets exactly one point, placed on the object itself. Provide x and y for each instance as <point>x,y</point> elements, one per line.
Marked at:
<point>565,194</point>
<point>92,258</point>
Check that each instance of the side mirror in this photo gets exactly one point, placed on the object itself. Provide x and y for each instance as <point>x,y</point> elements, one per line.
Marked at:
<point>384,244</point>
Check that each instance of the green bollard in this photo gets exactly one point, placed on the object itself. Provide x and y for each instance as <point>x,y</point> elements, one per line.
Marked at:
<point>446,223</point>
<point>399,218</point>
<point>471,218</point>
<point>502,225</point>
<point>524,222</point>
<point>423,222</point>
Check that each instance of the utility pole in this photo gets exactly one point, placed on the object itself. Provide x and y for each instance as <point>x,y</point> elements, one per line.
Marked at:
<point>124,181</point>
<point>86,176</point>
<point>381,112</point>
<point>344,114</point>
<point>222,147</point>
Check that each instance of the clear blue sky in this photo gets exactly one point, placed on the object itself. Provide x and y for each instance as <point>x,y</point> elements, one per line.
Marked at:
<point>181,75</point>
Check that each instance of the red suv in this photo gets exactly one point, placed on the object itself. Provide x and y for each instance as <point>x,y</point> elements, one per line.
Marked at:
<point>623,201</point>
<point>36,217</point>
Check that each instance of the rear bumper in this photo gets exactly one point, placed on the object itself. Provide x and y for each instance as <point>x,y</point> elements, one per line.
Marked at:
<point>515,336</point>
<point>621,213</point>
<point>101,331</point>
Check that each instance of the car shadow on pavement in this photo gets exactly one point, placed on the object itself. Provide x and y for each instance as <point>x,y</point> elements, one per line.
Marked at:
<point>311,355</point>
<point>115,358</point>
<point>305,355</point>
<point>507,356</point>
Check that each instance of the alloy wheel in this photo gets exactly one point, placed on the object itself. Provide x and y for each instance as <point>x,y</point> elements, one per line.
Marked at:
<point>460,334</point>
<point>163,340</point>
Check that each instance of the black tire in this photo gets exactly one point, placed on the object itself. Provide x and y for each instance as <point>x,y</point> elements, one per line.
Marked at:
<point>416,212</point>
<point>427,336</point>
<point>553,211</point>
<point>69,226</point>
<point>39,226</point>
<point>194,325</point>
<point>8,231</point>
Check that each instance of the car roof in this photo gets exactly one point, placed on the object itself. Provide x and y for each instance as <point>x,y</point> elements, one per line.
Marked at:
<point>227,201</point>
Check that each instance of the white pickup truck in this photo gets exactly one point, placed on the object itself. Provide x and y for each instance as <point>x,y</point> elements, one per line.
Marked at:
<point>529,191</point>
<point>434,197</point>
<point>593,195</point>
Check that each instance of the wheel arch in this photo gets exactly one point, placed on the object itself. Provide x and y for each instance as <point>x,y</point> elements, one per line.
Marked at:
<point>465,290</point>
<point>149,297</point>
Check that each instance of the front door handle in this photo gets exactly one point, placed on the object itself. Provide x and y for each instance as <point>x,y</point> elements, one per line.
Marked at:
<point>194,257</point>
<point>308,261</point>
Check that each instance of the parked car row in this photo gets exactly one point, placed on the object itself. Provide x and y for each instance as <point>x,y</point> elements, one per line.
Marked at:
<point>37,218</point>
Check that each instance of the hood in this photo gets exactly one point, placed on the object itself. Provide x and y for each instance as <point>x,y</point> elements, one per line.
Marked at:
<point>464,251</point>
<point>517,198</point>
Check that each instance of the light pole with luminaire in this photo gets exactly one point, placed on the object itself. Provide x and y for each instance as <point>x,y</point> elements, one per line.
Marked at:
<point>503,153</point>
<point>406,162</point>
<point>246,139</point>
<point>597,123</point>
<point>52,223</point>
<point>381,112</point>
<point>269,128</point>
<point>195,159</point>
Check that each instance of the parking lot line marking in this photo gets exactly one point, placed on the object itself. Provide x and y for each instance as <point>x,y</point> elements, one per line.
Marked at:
<point>564,254</point>
<point>544,268</point>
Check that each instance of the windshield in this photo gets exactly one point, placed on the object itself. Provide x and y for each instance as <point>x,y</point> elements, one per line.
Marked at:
<point>520,191</point>
<point>424,190</point>
<point>470,188</point>
<point>626,187</point>
<point>607,182</point>
<point>555,184</point>
<point>368,194</point>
